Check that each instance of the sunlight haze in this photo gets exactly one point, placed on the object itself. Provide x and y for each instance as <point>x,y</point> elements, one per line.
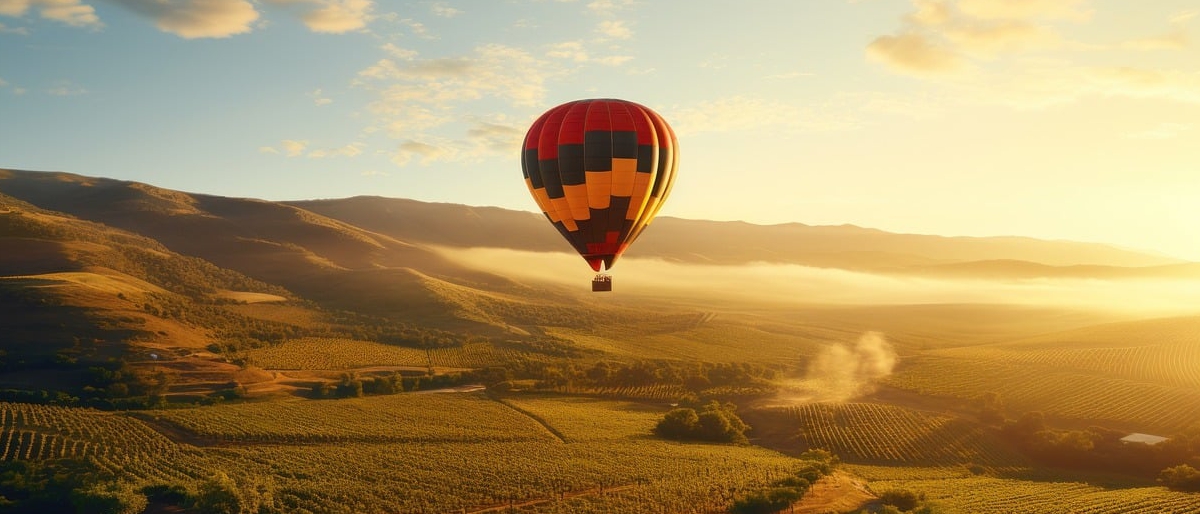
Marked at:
<point>1056,119</point>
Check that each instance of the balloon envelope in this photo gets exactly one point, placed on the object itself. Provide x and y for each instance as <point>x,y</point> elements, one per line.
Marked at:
<point>600,170</point>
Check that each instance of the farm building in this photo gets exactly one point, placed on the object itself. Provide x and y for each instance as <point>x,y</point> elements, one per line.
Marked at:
<point>1146,439</point>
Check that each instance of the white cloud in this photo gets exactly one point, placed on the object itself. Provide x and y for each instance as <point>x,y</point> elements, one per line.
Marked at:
<point>1146,83</point>
<point>614,60</point>
<point>66,88</point>
<point>20,31</point>
<point>293,148</point>
<point>350,150</point>
<point>403,54</point>
<point>495,137</point>
<point>70,12</point>
<point>914,53</point>
<point>1013,52</point>
<point>419,94</point>
<point>14,7</point>
<point>192,19</point>
<point>1183,17</point>
<point>319,98</point>
<point>268,149</point>
<point>440,9</point>
<point>338,16</point>
<point>569,50</point>
<point>425,153</point>
<point>608,7</point>
<point>615,29</point>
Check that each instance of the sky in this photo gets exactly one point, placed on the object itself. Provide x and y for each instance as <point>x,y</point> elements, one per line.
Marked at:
<point>1056,119</point>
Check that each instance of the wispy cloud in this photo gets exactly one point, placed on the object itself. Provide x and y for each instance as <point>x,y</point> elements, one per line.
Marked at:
<point>1013,52</point>
<point>292,147</point>
<point>21,31</point>
<point>415,94</point>
<point>615,29</point>
<point>350,150</point>
<point>441,9</point>
<point>914,53</point>
<point>421,152</point>
<point>494,136</point>
<point>193,19</point>
<point>302,148</point>
<point>319,98</point>
<point>66,88</point>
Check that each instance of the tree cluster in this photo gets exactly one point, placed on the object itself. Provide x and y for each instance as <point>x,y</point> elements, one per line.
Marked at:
<point>1181,478</point>
<point>714,422</point>
<point>1099,448</point>
<point>65,486</point>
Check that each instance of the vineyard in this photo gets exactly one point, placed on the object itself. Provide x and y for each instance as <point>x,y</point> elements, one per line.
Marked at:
<point>323,353</point>
<point>320,353</point>
<point>1161,352</point>
<point>402,418</point>
<point>406,453</point>
<point>887,434</point>
<point>1065,393</point>
<point>1002,495</point>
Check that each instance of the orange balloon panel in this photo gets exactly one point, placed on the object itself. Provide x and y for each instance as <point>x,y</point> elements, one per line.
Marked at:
<point>600,171</point>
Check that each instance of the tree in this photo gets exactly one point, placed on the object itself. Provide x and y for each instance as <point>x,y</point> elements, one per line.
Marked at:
<point>714,422</point>
<point>902,499</point>
<point>1181,478</point>
<point>219,495</point>
<point>108,498</point>
<point>677,424</point>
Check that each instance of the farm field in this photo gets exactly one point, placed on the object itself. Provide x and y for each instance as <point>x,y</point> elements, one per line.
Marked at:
<point>439,453</point>
<point>955,490</point>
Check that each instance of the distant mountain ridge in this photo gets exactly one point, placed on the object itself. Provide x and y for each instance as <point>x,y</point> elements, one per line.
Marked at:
<point>370,232</point>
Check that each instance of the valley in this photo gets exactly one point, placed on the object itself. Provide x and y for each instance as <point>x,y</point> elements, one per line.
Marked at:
<point>186,350</point>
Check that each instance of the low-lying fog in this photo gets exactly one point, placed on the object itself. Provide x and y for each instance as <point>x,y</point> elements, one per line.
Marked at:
<point>808,285</point>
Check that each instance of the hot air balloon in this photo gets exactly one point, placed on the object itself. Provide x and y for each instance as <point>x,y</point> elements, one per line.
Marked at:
<point>600,170</point>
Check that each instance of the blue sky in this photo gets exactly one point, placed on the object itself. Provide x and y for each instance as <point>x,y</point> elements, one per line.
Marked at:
<point>1063,119</point>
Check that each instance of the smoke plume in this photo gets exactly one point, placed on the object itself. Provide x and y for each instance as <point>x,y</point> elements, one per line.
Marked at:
<point>844,371</point>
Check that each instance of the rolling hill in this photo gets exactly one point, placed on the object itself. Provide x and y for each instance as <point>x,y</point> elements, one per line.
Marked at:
<point>169,273</point>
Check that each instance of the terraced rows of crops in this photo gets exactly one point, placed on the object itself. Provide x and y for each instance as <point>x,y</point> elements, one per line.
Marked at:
<point>875,433</point>
<point>446,453</point>
<point>1168,364</point>
<point>390,418</point>
<point>321,353</point>
<point>664,392</point>
<point>1001,495</point>
<point>1066,393</point>
<point>116,442</point>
